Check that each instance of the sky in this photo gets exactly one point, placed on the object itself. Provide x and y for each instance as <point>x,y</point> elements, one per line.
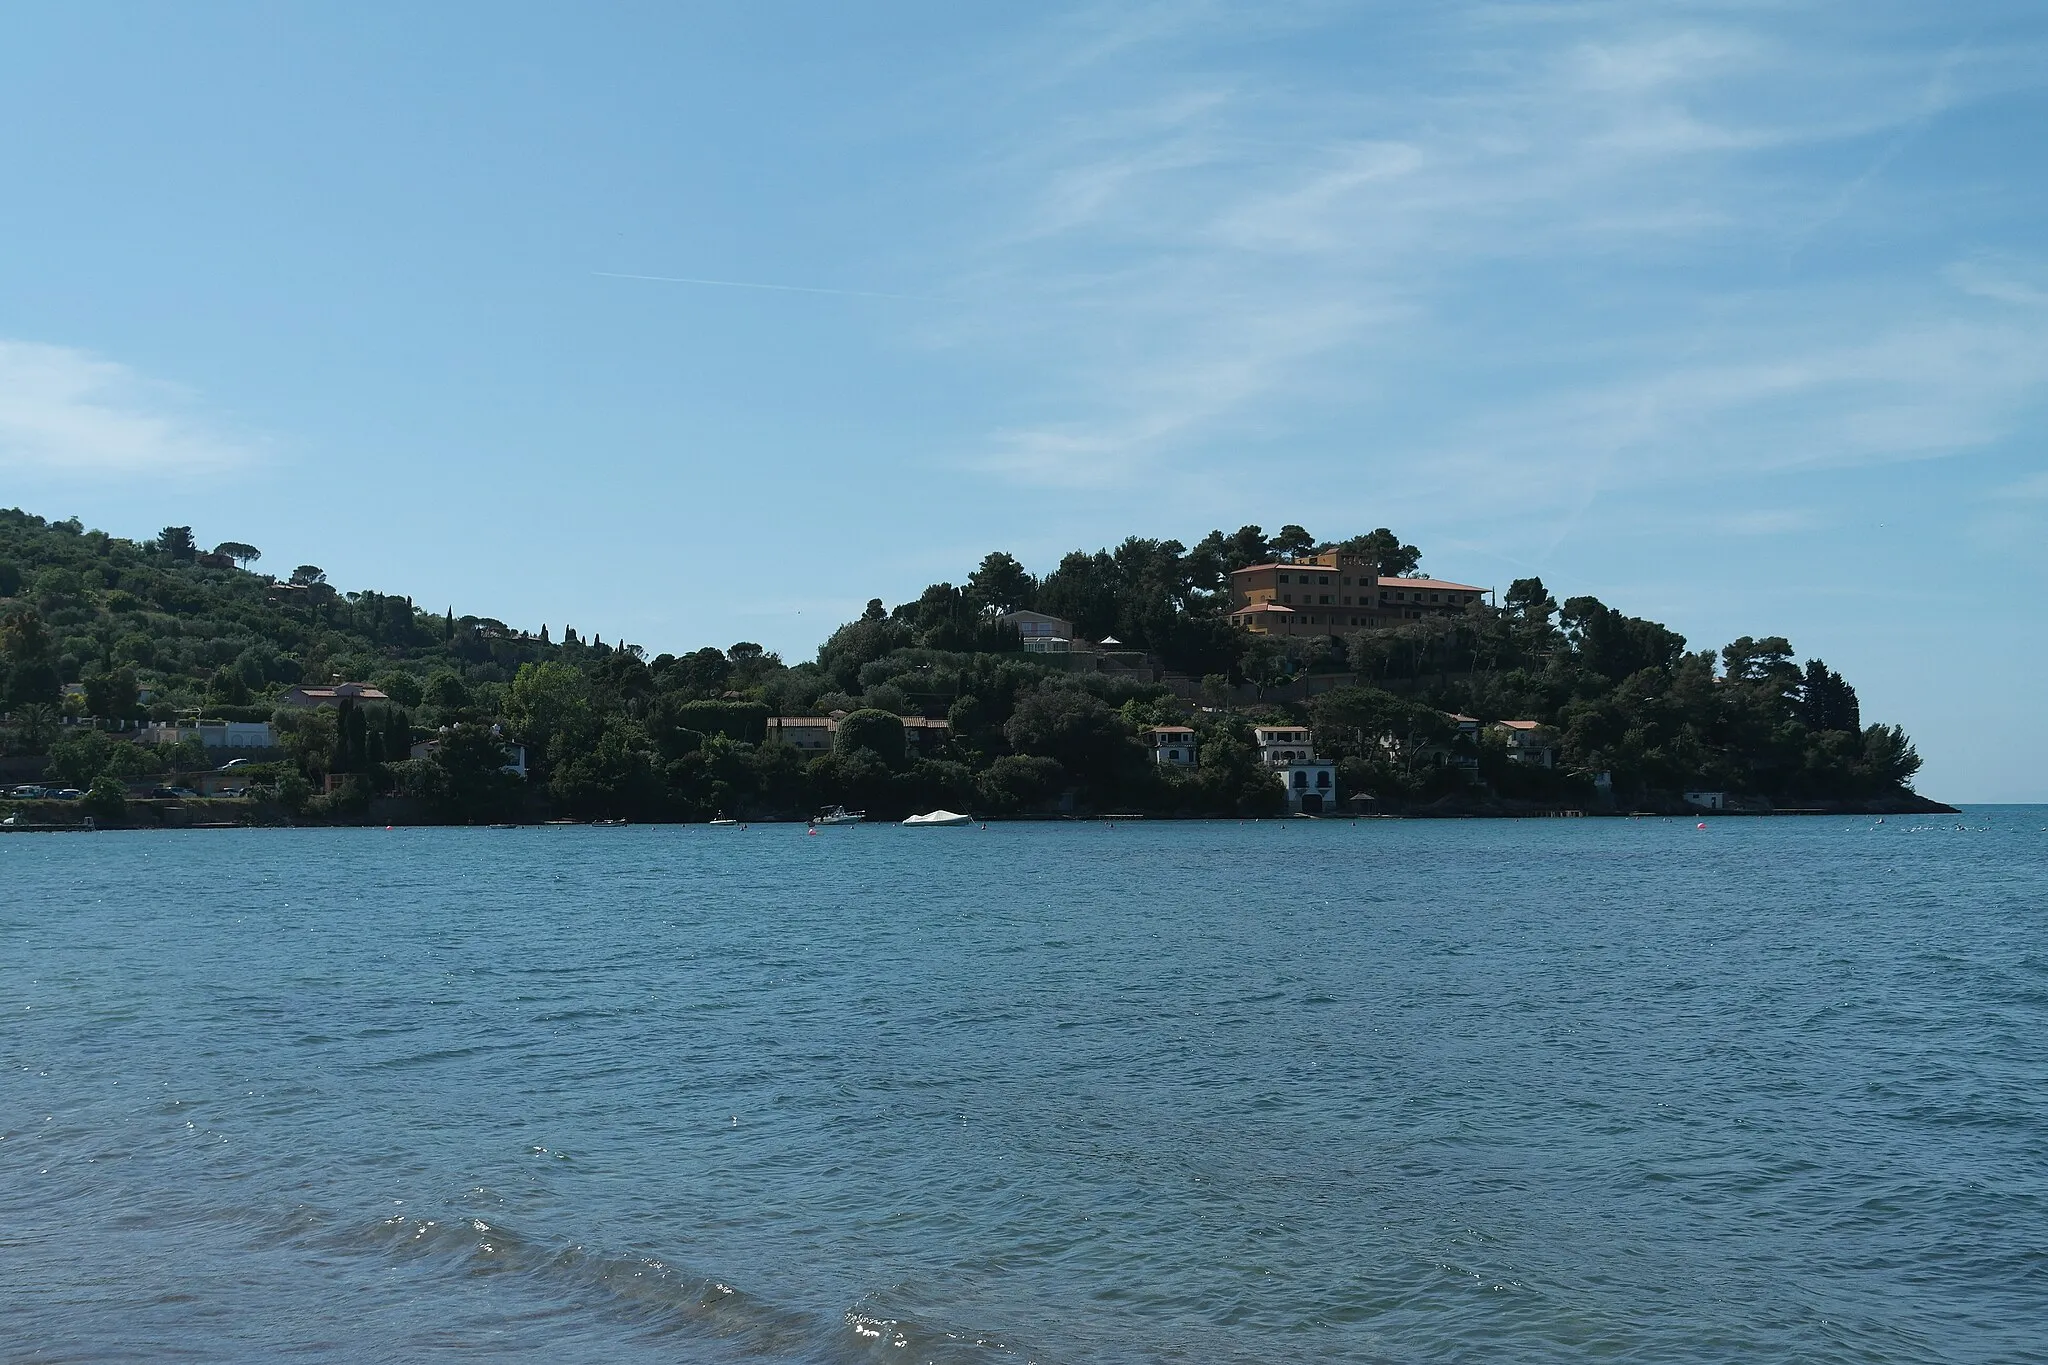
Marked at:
<point>691,324</point>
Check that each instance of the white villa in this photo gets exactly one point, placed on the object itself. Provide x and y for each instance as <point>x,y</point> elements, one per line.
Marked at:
<point>1173,746</point>
<point>1310,782</point>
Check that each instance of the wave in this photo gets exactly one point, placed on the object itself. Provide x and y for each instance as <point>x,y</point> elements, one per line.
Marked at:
<point>648,1296</point>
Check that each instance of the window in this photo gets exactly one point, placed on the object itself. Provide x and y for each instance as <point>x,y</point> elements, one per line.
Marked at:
<point>1322,779</point>
<point>1324,580</point>
<point>1432,597</point>
<point>1301,780</point>
<point>1324,599</point>
<point>1283,578</point>
<point>1347,601</point>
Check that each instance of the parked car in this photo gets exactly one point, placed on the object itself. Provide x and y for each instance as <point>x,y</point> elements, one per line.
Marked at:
<point>67,794</point>
<point>28,791</point>
<point>233,764</point>
<point>183,791</point>
<point>161,793</point>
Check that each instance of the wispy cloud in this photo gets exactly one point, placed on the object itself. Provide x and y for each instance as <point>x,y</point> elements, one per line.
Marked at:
<point>2032,489</point>
<point>66,411</point>
<point>1211,254</point>
<point>2004,278</point>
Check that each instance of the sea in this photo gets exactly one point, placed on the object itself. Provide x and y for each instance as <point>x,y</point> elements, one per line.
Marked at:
<point>1545,1090</point>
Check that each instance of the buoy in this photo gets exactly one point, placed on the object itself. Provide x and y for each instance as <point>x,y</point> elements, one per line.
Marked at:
<point>387,829</point>
<point>1701,825</point>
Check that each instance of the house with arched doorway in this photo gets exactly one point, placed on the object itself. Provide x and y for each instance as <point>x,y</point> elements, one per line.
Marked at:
<point>1310,782</point>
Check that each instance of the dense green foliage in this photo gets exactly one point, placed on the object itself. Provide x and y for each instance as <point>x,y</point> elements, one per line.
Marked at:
<point>162,630</point>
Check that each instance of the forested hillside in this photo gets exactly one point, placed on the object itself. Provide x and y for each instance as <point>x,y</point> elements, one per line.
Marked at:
<point>164,628</point>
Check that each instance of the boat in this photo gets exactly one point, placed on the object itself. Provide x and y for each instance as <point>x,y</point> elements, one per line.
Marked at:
<point>723,819</point>
<point>839,815</point>
<point>938,818</point>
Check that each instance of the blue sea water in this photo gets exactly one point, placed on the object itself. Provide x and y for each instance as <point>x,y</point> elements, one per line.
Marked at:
<point>1385,1091</point>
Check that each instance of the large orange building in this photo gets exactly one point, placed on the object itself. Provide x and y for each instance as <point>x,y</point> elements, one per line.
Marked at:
<point>1335,592</point>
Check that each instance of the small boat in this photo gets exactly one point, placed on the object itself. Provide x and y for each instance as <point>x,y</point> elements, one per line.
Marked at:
<point>839,815</point>
<point>723,819</point>
<point>938,818</point>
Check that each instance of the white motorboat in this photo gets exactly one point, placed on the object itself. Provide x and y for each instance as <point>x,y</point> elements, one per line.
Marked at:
<point>723,819</point>
<point>938,818</point>
<point>840,815</point>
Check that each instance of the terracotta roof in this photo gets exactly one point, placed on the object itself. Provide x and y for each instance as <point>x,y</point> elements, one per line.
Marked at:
<point>1523,724</point>
<point>800,720</point>
<point>1296,564</point>
<point>360,691</point>
<point>1428,585</point>
<point>1262,606</point>
<point>1171,730</point>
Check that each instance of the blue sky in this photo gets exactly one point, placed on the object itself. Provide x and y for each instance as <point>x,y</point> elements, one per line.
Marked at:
<point>1734,315</point>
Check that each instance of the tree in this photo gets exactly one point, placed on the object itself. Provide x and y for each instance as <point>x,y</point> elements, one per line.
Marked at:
<point>1001,584</point>
<point>858,643</point>
<point>1083,589</point>
<point>550,709</point>
<point>76,761</point>
<point>1527,601</point>
<point>23,636</point>
<point>242,554</point>
<point>1073,727</point>
<point>311,738</point>
<point>177,542</point>
<point>1293,542</point>
<point>107,800</point>
<point>1390,558</point>
<point>1016,783</point>
<point>877,732</point>
<point>30,671</point>
<point>112,695</point>
<point>226,687</point>
<point>1616,646</point>
<point>1246,546</point>
<point>1827,702</point>
<point>306,575</point>
<point>469,763</point>
<point>1889,756</point>
<point>35,726</point>
<point>446,691</point>
<point>402,687</point>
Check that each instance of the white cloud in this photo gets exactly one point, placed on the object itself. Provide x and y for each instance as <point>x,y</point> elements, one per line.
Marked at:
<point>1199,248</point>
<point>67,411</point>
<point>2003,278</point>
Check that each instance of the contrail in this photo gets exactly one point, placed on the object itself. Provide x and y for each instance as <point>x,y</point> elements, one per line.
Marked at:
<point>780,288</point>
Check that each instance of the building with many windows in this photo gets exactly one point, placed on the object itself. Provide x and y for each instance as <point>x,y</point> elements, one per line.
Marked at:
<point>1334,593</point>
